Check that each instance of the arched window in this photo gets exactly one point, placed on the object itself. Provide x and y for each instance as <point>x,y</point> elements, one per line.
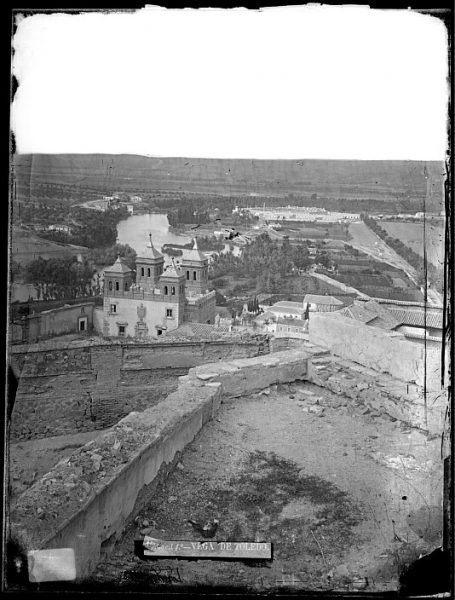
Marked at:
<point>173,291</point>
<point>142,271</point>
<point>187,274</point>
<point>110,285</point>
<point>117,286</point>
<point>126,286</point>
<point>148,272</point>
<point>165,290</point>
<point>194,275</point>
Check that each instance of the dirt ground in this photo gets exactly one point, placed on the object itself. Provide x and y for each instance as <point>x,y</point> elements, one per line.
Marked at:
<point>30,460</point>
<point>346,497</point>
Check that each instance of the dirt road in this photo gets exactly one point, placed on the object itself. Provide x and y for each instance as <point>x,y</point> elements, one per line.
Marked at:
<point>367,241</point>
<point>346,497</point>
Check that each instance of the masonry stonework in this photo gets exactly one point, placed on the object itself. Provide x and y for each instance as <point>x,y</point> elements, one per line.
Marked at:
<point>83,388</point>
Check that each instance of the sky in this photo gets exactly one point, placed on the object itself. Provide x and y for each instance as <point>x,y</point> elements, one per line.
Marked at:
<point>335,82</point>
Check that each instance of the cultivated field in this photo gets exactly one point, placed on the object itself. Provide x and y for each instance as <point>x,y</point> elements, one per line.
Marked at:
<point>26,246</point>
<point>411,234</point>
<point>386,180</point>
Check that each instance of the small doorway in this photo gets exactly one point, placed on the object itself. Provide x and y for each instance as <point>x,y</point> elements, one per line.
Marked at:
<point>82,324</point>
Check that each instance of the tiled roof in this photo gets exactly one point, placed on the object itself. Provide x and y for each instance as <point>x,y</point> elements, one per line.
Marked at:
<point>370,313</point>
<point>172,271</point>
<point>320,299</point>
<point>386,316</point>
<point>392,316</point>
<point>357,312</point>
<point>118,267</point>
<point>199,330</point>
<point>150,252</point>
<point>287,304</point>
<point>416,317</point>
<point>194,254</point>
<point>413,304</point>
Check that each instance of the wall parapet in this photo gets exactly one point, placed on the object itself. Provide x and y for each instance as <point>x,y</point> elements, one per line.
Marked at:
<point>384,351</point>
<point>86,499</point>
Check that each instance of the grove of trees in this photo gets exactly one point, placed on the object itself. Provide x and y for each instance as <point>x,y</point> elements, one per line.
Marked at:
<point>265,261</point>
<point>60,278</point>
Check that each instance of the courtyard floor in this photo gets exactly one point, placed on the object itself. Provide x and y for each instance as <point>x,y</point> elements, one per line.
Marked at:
<point>347,498</point>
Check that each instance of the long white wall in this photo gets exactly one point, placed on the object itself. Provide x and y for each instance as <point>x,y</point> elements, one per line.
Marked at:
<point>384,351</point>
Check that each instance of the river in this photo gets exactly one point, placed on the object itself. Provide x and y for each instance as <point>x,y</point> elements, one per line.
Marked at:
<point>135,230</point>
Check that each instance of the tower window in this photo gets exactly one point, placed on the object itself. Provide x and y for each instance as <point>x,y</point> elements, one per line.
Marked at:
<point>117,286</point>
<point>173,291</point>
<point>148,272</point>
<point>168,312</point>
<point>121,330</point>
<point>194,275</point>
<point>110,285</point>
<point>126,286</point>
<point>142,271</point>
<point>165,290</point>
<point>187,274</point>
<point>113,308</point>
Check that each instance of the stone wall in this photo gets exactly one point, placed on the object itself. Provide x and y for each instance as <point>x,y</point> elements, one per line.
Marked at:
<point>54,322</point>
<point>85,501</point>
<point>384,351</point>
<point>245,376</point>
<point>85,387</point>
<point>380,393</point>
<point>280,343</point>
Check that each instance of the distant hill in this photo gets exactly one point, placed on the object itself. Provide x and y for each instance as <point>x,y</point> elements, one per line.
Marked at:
<point>331,178</point>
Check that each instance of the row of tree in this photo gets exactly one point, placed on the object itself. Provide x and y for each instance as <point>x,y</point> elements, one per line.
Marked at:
<point>425,273</point>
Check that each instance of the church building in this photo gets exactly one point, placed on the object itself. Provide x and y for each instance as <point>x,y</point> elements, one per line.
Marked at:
<point>152,300</point>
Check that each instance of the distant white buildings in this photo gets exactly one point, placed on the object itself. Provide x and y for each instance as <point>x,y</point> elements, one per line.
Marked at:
<point>304,213</point>
<point>61,228</point>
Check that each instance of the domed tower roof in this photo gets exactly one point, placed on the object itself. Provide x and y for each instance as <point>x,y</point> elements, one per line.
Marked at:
<point>150,252</point>
<point>194,255</point>
<point>119,267</point>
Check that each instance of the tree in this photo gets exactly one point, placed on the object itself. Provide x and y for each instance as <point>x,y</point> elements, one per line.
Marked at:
<point>60,278</point>
<point>107,256</point>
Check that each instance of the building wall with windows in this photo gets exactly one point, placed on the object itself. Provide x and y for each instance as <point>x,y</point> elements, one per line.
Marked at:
<point>127,317</point>
<point>75,318</point>
<point>151,301</point>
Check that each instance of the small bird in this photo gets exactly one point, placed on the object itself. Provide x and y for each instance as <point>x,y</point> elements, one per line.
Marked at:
<point>208,530</point>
